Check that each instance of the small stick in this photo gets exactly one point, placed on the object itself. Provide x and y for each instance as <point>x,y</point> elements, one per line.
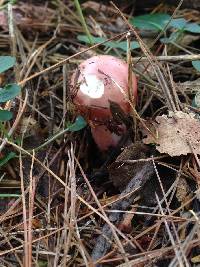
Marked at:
<point>102,244</point>
<point>169,58</point>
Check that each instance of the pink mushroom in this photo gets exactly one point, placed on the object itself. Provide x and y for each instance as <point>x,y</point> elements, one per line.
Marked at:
<point>97,81</point>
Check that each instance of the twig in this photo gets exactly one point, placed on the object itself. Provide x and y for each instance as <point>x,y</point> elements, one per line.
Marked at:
<point>112,229</point>
<point>177,253</point>
<point>26,245</point>
<point>32,187</point>
<point>82,200</point>
<point>12,129</point>
<point>169,58</point>
<point>138,180</point>
<point>64,61</point>
<point>158,68</point>
<point>133,161</point>
<point>141,258</point>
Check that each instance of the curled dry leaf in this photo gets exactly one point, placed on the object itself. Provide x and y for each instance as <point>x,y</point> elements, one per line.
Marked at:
<point>177,134</point>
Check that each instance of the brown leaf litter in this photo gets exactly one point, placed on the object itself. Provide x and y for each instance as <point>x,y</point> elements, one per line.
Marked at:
<point>28,15</point>
<point>176,134</point>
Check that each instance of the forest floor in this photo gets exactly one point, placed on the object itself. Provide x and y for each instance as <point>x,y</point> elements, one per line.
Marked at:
<point>63,202</point>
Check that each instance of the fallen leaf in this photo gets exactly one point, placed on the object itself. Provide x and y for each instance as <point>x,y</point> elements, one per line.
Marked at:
<point>176,134</point>
<point>121,173</point>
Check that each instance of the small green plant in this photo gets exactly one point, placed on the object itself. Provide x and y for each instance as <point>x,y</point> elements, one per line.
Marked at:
<point>154,22</point>
<point>82,20</point>
<point>78,125</point>
<point>9,91</point>
<point>5,5</point>
<point>112,44</point>
<point>6,158</point>
<point>162,22</point>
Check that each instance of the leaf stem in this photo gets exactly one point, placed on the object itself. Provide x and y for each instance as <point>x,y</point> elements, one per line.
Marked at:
<point>82,20</point>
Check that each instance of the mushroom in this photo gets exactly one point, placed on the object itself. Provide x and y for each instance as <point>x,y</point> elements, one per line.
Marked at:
<point>96,83</point>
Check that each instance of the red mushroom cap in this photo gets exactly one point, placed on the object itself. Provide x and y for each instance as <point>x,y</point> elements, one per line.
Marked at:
<point>98,80</point>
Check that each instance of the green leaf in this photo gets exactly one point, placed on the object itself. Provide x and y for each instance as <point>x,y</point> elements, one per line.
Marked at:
<point>155,22</point>
<point>8,157</point>
<point>196,64</point>
<point>78,125</point>
<point>192,27</point>
<point>123,45</point>
<point>96,40</point>
<point>158,21</point>
<point>178,23</point>
<point>5,115</point>
<point>9,92</point>
<point>182,24</point>
<point>6,62</point>
<point>172,38</point>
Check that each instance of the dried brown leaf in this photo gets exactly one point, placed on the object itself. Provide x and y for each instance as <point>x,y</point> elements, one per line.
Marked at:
<point>177,134</point>
<point>121,174</point>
